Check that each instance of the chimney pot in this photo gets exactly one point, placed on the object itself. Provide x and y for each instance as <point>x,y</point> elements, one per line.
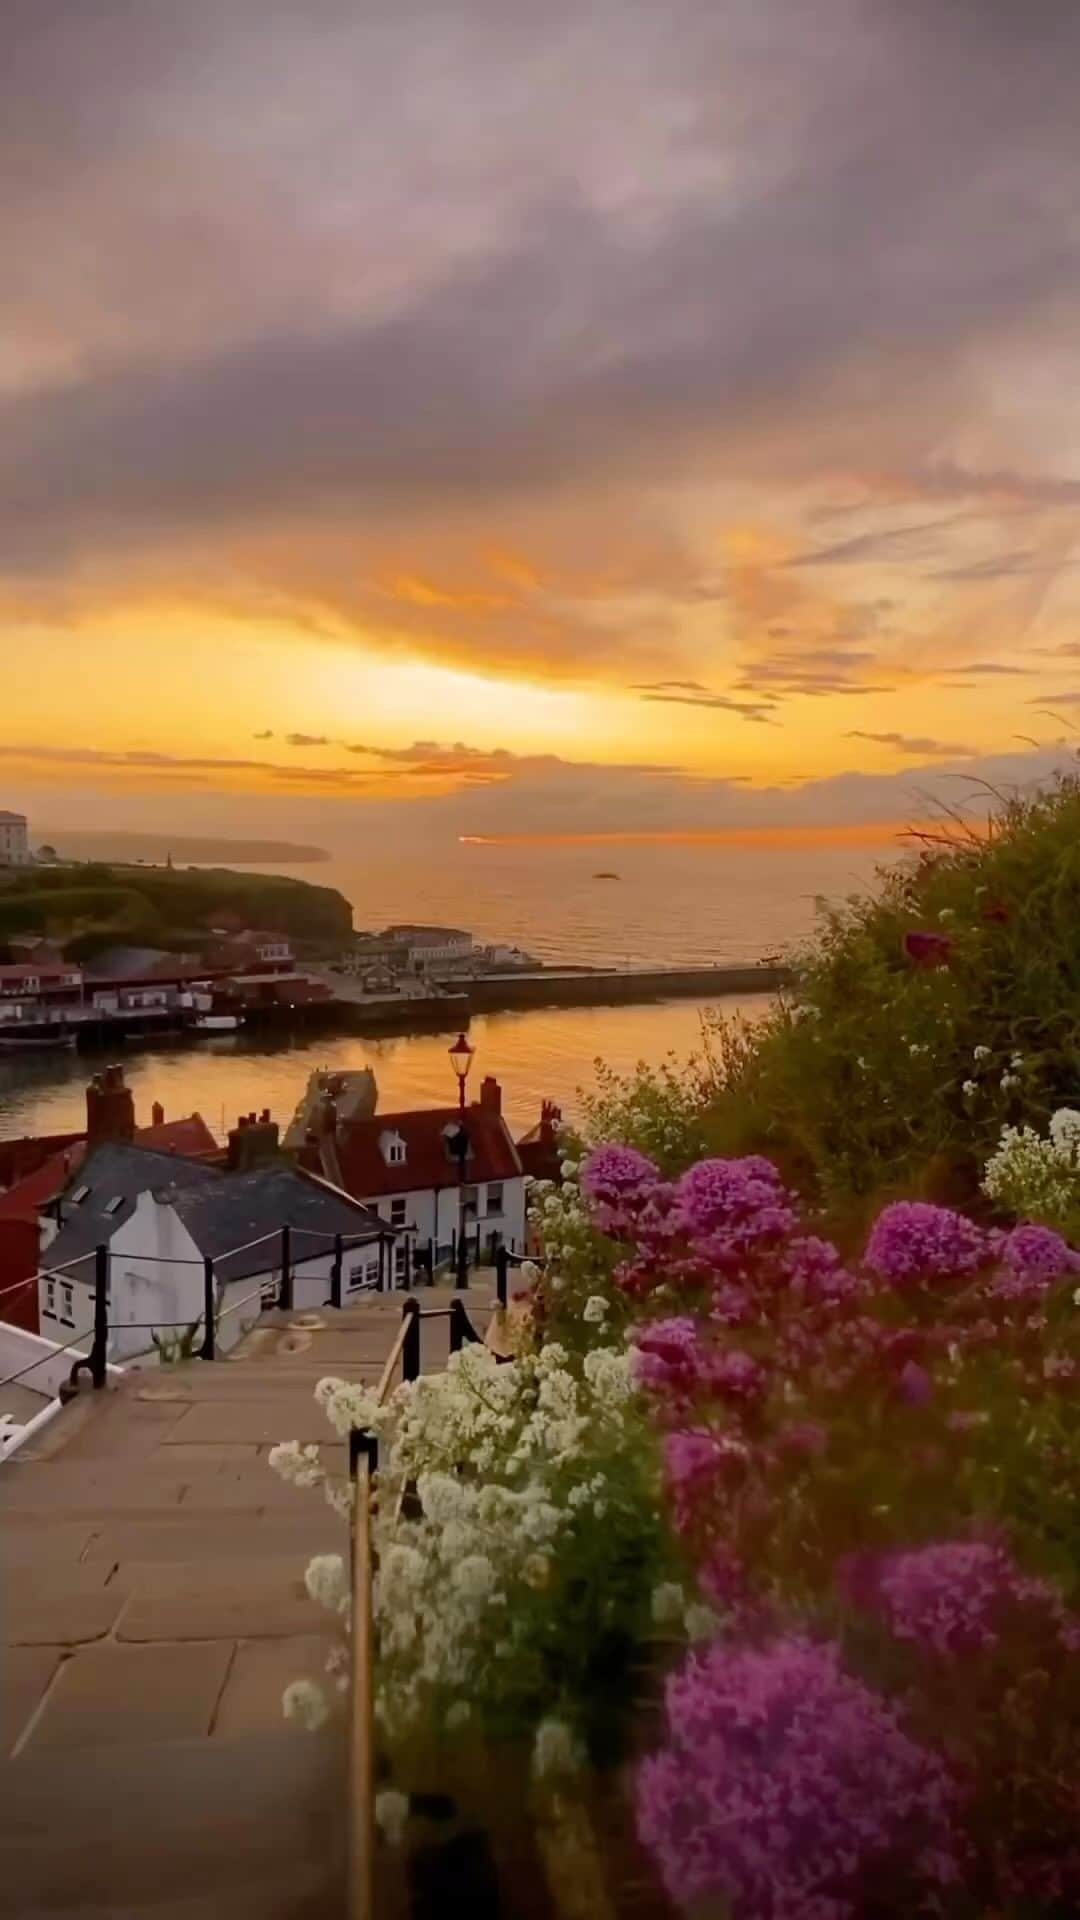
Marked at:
<point>490,1094</point>
<point>157,1114</point>
<point>110,1108</point>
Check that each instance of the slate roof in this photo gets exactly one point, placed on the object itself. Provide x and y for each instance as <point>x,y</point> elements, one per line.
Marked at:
<point>429,1162</point>
<point>241,1207</point>
<point>116,1172</point>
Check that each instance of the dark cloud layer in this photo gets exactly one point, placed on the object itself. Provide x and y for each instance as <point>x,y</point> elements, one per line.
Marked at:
<point>285,270</point>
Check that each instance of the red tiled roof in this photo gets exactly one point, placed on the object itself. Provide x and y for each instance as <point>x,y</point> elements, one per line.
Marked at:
<point>365,1173</point>
<point>190,1137</point>
<point>540,1159</point>
<point>39,970</point>
<point>20,1157</point>
<point>26,1198</point>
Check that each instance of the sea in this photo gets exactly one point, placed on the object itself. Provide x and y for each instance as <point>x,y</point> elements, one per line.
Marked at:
<point>668,903</point>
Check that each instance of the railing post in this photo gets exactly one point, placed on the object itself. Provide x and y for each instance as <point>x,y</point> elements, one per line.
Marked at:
<point>206,1351</point>
<point>336,1271</point>
<point>99,1350</point>
<point>502,1269</point>
<point>410,1352</point>
<point>285,1292</point>
<point>363,1460</point>
<point>457,1330</point>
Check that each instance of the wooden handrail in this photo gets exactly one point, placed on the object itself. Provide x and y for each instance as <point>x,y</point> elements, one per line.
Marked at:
<point>392,1361</point>
<point>361,1822</point>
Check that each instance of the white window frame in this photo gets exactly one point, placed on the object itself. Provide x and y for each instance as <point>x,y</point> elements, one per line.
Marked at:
<point>67,1303</point>
<point>399,1211</point>
<point>401,1254</point>
<point>496,1196</point>
<point>395,1153</point>
<point>50,1299</point>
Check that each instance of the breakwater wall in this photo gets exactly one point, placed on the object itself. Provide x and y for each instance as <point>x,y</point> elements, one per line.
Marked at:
<point>552,987</point>
<point>610,987</point>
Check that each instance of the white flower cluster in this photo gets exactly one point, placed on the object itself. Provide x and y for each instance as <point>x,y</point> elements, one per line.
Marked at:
<point>502,1460</point>
<point>1037,1177</point>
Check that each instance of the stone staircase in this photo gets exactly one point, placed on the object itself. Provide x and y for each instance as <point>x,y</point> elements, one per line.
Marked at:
<point>154,1610</point>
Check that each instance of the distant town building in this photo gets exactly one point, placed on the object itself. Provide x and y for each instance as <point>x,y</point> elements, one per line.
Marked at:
<point>14,840</point>
<point>409,949</point>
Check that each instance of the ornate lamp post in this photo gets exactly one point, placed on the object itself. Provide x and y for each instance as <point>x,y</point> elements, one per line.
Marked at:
<point>461,1059</point>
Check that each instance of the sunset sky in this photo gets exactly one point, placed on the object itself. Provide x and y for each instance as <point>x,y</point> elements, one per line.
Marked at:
<point>532,418</point>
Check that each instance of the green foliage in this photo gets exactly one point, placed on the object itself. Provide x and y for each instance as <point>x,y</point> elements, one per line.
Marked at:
<point>93,907</point>
<point>879,1073</point>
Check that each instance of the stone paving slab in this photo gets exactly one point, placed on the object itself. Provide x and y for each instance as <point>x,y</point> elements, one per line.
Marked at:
<point>219,1600</point>
<point>261,1421</point>
<point>177,1821</point>
<point>259,1675</point>
<point>135,1695</point>
<point>72,1605</point>
<point>155,1565</point>
<point>25,1674</point>
<point>28,1540</point>
<point>192,1536</point>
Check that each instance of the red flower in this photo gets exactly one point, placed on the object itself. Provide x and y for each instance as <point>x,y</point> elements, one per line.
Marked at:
<point>928,949</point>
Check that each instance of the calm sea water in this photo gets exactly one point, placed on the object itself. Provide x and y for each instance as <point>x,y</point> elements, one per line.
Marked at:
<point>671,904</point>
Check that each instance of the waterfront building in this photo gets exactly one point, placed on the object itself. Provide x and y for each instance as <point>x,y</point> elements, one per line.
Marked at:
<point>34,1172</point>
<point>404,1165</point>
<point>162,1219</point>
<point>14,840</point>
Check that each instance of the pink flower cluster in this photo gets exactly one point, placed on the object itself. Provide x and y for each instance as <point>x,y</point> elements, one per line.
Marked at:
<point>958,1597</point>
<point>787,1789</point>
<point>614,1175</point>
<point>741,1200</point>
<point>1032,1258</point>
<point>913,1243</point>
<point>695,1461</point>
<point>676,1358</point>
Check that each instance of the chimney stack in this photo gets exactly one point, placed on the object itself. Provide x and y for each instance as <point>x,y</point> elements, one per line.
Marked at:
<point>550,1121</point>
<point>490,1095</point>
<point>252,1143</point>
<point>110,1108</point>
<point>157,1114</point>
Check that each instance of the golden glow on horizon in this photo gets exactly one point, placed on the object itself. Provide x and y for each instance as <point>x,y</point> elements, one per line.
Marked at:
<point>857,833</point>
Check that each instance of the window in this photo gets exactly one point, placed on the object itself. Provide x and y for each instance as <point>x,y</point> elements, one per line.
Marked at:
<point>67,1295</point>
<point>50,1299</point>
<point>394,1150</point>
<point>495,1196</point>
<point>398,1211</point>
<point>400,1256</point>
<point>365,1275</point>
<point>471,1202</point>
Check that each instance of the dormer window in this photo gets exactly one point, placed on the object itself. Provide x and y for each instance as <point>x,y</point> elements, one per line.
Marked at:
<point>393,1149</point>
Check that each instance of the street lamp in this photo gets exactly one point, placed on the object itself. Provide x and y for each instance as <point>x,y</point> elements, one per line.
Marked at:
<point>461,1059</point>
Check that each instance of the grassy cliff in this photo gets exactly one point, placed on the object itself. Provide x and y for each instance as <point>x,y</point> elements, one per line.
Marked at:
<point>84,907</point>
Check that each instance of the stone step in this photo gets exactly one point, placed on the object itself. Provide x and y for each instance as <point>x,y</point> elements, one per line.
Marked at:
<point>177,1821</point>
<point>189,1536</point>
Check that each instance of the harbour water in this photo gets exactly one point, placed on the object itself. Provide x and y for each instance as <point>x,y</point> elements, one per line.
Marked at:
<point>683,903</point>
<point>547,1053</point>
